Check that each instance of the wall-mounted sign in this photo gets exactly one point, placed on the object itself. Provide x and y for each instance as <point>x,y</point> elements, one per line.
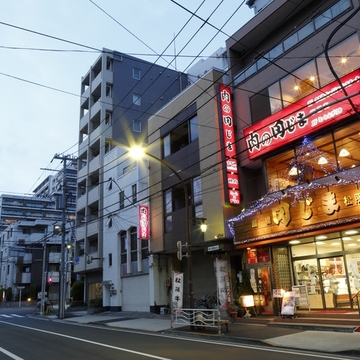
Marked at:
<point>144,224</point>
<point>311,113</point>
<point>227,125</point>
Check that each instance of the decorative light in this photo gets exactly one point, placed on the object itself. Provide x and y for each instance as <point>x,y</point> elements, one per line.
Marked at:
<point>293,171</point>
<point>322,160</point>
<point>344,153</point>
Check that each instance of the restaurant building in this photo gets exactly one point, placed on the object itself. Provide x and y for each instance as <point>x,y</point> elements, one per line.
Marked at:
<point>295,78</point>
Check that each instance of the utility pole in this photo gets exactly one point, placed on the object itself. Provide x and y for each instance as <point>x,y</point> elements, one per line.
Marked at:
<point>64,159</point>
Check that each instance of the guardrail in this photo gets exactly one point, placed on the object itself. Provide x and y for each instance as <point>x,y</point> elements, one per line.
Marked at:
<point>199,319</point>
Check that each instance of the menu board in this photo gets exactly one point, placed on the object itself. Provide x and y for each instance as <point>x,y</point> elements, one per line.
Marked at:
<point>288,304</point>
<point>301,296</point>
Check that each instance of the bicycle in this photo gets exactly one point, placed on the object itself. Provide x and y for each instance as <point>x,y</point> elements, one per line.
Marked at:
<point>37,309</point>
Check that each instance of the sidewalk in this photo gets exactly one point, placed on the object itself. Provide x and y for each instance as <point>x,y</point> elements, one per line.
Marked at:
<point>340,339</point>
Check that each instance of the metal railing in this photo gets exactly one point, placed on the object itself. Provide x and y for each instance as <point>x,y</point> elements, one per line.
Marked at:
<point>198,318</point>
<point>356,296</point>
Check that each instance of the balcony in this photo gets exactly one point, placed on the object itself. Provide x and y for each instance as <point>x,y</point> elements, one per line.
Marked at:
<point>94,164</point>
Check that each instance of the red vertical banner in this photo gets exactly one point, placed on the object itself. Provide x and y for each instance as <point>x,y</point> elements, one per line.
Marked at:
<point>144,224</point>
<point>227,124</point>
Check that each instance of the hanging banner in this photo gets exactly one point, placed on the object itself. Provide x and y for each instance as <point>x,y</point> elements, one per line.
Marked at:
<point>178,291</point>
<point>144,228</point>
<point>222,277</point>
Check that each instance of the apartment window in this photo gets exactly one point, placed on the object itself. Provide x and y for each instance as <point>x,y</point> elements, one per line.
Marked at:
<point>93,246</point>
<point>110,259</point>
<point>181,136</point>
<point>137,99</point>
<point>134,193</point>
<point>136,73</point>
<point>109,221</point>
<point>109,64</point>
<point>133,242</point>
<point>123,246</point>
<point>136,126</point>
<point>122,199</point>
<point>144,249</point>
<point>168,210</point>
<point>322,19</point>
<point>108,118</point>
<point>108,90</point>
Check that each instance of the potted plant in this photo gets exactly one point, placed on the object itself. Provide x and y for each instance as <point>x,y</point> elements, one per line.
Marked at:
<point>95,306</point>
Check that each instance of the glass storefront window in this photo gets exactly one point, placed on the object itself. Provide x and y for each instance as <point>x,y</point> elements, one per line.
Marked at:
<point>306,248</point>
<point>351,240</point>
<point>325,246</point>
<point>301,82</point>
<point>344,57</point>
<point>353,267</point>
<point>347,144</point>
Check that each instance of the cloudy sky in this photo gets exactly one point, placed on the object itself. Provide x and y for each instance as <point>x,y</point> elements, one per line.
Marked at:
<point>46,46</point>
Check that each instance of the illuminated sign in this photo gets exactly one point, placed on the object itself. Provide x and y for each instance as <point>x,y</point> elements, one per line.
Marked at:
<point>311,113</point>
<point>232,177</point>
<point>144,223</point>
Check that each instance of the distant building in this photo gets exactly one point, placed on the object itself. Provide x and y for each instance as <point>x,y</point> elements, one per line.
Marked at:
<point>31,224</point>
<point>118,95</point>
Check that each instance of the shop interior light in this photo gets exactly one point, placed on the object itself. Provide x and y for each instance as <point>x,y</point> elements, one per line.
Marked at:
<point>322,160</point>
<point>344,153</point>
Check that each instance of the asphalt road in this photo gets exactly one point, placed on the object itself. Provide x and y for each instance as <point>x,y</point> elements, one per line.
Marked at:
<point>24,337</point>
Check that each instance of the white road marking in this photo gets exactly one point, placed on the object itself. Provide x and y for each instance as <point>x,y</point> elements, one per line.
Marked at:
<point>13,356</point>
<point>16,315</point>
<point>87,341</point>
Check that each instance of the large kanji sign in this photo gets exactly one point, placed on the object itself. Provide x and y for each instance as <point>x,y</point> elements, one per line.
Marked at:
<point>313,112</point>
<point>227,125</point>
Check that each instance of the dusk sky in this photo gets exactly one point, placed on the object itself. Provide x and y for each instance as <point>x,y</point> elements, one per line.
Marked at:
<point>47,46</point>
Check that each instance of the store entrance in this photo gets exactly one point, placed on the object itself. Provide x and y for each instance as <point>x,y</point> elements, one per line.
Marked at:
<point>261,286</point>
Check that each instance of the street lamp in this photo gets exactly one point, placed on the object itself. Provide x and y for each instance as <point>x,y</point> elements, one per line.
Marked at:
<point>138,152</point>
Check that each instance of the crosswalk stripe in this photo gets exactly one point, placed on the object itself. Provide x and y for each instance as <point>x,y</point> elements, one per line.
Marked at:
<point>16,315</point>
<point>4,315</point>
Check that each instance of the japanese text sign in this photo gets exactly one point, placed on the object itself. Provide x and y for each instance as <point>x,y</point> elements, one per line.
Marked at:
<point>311,113</point>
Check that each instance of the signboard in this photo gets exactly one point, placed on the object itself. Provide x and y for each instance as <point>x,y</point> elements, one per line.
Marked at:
<point>311,113</point>
<point>222,277</point>
<point>288,303</point>
<point>144,224</point>
<point>301,296</point>
<point>229,145</point>
<point>178,291</point>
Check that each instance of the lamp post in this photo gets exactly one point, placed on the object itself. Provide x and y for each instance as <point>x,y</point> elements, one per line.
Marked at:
<point>138,152</point>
